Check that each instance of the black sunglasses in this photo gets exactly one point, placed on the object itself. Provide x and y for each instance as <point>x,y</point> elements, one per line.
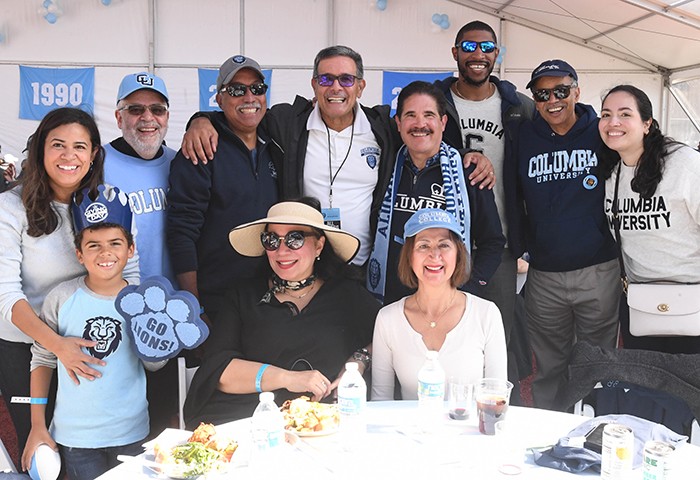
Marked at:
<point>468,46</point>
<point>560,93</point>
<point>238,89</point>
<point>294,240</point>
<point>326,79</point>
<point>137,109</point>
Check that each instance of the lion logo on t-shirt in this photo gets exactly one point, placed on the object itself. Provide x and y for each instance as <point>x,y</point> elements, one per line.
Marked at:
<point>107,332</point>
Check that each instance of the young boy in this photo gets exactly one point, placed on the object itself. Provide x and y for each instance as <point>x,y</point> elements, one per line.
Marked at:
<point>94,421</point>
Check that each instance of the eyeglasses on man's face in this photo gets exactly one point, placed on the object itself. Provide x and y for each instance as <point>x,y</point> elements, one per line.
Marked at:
<point>468,46</point>
<point>137,109</point>
<point>238,89</point>
<point>327,79</point>
<point>560,92</point>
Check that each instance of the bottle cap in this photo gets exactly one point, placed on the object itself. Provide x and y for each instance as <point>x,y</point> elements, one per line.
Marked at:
<point>267,397</point>
<point>350,366</point>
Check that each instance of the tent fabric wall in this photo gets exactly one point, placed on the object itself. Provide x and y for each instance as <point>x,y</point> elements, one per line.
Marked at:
<point>175,37</point>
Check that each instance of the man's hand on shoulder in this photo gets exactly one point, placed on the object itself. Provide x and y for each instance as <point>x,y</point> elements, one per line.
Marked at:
<point>200,141</point>
<point>483,174</point>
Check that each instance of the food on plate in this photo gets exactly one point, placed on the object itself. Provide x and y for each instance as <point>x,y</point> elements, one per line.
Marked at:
<point>304,416</point>
<point>205,451</point>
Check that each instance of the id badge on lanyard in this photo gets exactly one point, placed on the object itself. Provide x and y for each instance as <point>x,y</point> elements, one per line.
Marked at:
<point>331,217</point>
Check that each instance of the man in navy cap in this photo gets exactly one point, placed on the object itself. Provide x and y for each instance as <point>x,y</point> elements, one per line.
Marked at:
<point>573,285</point>
<point>206,201</point>
<point>138,163</point>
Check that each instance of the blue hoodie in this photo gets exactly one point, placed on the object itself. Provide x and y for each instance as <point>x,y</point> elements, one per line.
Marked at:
<point>562,194</point>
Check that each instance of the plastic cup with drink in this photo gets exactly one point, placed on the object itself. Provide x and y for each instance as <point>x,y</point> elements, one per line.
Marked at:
<point>492,398</point>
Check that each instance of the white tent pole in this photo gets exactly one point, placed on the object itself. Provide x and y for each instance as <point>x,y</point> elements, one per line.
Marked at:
<point>502,36</point>
<point>151,35</point>
<point>241,26</point>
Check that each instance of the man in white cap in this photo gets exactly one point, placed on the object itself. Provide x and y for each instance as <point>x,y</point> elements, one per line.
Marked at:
<point>206,201</point>
<point>138,163</point>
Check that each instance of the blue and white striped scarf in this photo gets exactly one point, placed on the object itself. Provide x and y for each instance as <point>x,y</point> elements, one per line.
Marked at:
<point>456,202</point>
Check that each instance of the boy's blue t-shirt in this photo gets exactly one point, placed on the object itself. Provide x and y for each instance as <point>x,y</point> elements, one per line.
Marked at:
<point>111,410</point>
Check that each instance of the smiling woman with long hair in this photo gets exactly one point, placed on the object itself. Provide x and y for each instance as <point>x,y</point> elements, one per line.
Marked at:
<point>658,199</point>
<point>36,235</point>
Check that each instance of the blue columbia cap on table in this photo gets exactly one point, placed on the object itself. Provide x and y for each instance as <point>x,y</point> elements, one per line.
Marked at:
<point>552,68</point>
<point>430,218</point>
<point>141,81</point>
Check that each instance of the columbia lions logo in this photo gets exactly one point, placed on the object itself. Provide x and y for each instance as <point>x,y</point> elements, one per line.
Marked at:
<point>96,212</point>
<point>371,155</point>
<point>374,272</point>
<point>238,59</point>
<point>106,332</point>
<point>590,182</point>
<point>145,80</point>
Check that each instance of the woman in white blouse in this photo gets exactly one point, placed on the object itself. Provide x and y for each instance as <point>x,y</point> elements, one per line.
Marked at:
<point>466,331</point>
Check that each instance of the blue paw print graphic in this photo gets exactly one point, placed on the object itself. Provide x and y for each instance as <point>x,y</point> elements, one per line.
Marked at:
<point>161,321</point>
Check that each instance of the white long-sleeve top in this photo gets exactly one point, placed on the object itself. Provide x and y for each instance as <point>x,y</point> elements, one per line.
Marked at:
<point>30,267</point>
<point>475,348</point>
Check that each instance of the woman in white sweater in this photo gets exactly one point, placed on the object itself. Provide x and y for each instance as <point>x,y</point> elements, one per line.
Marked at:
<point>658,203</point>
<point>466,331</point>
<point>38,251</point>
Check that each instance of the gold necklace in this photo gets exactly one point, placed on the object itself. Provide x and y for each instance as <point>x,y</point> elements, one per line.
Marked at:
<point>456,91</point>
<point>299,297</point>
<point>433,323</point>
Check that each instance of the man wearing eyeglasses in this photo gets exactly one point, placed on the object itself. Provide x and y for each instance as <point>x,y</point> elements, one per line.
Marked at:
<point>573,284</point>
<point>138,163</point>
<point>206,201</point>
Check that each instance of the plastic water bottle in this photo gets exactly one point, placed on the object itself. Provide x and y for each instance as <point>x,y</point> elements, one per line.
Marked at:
<point>431,392</point>
<point>352,403</point>
<point>267,428</point>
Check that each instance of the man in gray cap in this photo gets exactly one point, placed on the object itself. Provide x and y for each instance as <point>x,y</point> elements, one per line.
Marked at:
<point>206,201</point>
<point>573,284</point>
<point>138,163</point>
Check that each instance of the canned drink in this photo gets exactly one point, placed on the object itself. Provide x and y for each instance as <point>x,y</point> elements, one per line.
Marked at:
<point>617,453</point>
<point>657,460</point>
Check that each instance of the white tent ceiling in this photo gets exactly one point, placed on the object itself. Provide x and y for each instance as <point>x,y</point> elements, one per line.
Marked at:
<point>657,36</point>
<point>653,45</point>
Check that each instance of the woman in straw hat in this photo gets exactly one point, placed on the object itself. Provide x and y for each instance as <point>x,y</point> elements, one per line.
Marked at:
<point>465,330</point>
<point>292,330</point>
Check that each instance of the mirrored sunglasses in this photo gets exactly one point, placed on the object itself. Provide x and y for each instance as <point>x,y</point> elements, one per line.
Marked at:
<point>469,47</point>
<point>238,90</point>
<point>294,240</point>
<point>560,93</point>
<point>137,109</point>
<point>344,80</point>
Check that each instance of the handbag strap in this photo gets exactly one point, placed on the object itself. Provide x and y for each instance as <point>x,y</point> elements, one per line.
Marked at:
<point>616,227</point>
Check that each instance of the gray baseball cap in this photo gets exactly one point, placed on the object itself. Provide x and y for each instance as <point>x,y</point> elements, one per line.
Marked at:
<point>230,67</point>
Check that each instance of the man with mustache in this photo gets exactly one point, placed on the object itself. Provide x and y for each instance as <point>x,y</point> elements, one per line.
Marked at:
<point>573,284</point>
<point>482,112</point>
<point>428,173</point>
<point>206,201</point>
<point>138,163</point>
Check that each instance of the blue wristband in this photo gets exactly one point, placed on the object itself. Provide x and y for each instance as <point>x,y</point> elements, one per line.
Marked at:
<point>38,401</point>
<point>258,377</point>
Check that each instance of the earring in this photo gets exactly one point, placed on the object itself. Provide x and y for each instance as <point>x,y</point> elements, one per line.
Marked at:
<point>318,258</point>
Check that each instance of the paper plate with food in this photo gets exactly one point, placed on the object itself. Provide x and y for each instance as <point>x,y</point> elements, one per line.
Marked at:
<point>310,419</point>
<point>202,453</point>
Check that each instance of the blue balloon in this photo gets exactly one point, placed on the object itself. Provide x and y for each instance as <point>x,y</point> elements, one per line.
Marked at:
<point>381,4</point>
<point>444,18</point>
<point>51,17</point>
<point>47,3</point>
<point>106,3</point>
<point>436,18</point>
<point>445,24</point>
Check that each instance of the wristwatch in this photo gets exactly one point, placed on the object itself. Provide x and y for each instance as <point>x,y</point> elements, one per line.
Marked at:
<point>363,355</point>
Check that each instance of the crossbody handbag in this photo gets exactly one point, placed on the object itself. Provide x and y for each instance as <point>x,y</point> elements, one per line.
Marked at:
<point>657,308</point>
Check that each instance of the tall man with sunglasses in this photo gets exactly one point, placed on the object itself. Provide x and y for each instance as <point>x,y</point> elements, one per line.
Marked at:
<point>206,201</point>
<point>573,285</point>
<point>482,113</point>
<point>138,163</point>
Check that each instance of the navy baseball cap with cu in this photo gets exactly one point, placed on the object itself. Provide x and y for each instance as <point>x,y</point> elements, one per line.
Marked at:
<point>552,68</point>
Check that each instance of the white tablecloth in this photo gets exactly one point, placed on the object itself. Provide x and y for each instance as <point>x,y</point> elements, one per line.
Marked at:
<point>395,448</point>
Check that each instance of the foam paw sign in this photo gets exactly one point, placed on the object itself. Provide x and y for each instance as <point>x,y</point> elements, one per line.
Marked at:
<point>161,320</point>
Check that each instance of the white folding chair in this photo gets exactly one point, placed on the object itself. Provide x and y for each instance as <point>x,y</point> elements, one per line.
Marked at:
<point>6,464</point>
<point>184,379</point>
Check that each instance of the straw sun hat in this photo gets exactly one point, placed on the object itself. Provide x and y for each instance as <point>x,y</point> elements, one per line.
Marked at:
<point>245,239</point>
